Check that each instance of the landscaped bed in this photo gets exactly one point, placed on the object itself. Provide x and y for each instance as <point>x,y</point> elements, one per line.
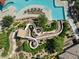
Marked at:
<point>26,47</point>
<point>4,42</point>
<point>8,26</point>
<point>42,21</point>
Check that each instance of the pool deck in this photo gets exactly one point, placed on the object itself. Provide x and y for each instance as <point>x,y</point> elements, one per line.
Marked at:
<point>21,15</point>
<point>58,3</point>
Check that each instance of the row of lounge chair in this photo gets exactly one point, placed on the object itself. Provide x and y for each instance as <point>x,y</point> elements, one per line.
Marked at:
<point>34,11</point>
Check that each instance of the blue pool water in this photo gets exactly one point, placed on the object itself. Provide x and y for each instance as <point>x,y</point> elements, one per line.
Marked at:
<point>1,6</point>
<point>57,12</point>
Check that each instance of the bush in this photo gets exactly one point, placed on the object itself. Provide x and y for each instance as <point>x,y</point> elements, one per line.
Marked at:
<point>7,21</point>
<point>22,25</point>
<point>55,45</point>
<point>4,43</point>
<point>51,27</point>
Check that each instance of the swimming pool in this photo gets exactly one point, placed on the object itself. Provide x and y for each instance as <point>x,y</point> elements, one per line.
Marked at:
<point>57,12</point>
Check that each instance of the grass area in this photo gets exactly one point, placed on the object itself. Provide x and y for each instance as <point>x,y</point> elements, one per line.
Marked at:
<point>4,43</point>
<point>27,48</point>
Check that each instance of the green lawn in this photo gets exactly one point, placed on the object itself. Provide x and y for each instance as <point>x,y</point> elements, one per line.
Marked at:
<point>4,43</point>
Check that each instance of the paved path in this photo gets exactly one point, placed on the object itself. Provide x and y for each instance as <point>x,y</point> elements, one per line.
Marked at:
<point>12,48</point>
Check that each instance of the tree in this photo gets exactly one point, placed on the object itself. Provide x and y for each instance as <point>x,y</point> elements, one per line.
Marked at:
<point>76,5</point>
<point>58,44</point>
<point>41,21</point>
<point>7,21</point>
<point>55,45</point>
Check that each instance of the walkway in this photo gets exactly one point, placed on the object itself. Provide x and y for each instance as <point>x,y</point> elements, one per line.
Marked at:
<point>12,44</point>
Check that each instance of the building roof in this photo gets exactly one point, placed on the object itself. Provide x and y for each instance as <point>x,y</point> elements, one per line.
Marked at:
<point>71,53</point>
<point>22,33</point>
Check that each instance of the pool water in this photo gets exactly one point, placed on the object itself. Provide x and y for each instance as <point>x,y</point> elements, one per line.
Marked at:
<point>1,7</point>
<point>57,12</point>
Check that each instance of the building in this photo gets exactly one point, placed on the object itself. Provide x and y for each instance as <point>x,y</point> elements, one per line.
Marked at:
<point>71,53</point>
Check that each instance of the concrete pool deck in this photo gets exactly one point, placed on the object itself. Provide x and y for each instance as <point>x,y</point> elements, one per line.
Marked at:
<point>56,7</point>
